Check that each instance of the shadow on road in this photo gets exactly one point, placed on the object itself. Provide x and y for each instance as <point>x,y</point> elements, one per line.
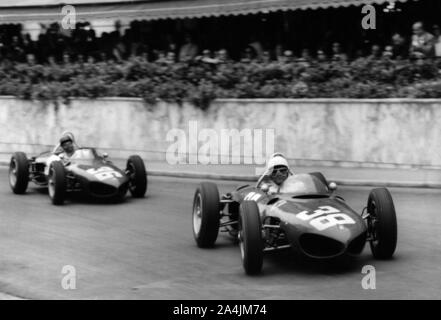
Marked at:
<point>82,198</point>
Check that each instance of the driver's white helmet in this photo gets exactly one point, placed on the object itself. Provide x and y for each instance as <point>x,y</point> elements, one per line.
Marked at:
<point>277,159</point>
<point>68,134</point>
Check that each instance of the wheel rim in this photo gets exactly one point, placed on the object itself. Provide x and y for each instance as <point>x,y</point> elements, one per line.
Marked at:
<point>240,238</point>
<point>131,169</point>
<point>13,173</point>
<point>373,223</point>
<point>51,184</point>
<point>197,214</point>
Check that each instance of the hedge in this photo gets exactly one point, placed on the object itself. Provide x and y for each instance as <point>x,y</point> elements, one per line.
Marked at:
<point>200,82</point>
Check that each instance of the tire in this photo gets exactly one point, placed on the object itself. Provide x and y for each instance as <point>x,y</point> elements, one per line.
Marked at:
<point>57,183</point>
<point>321,177</point>
<point>206,214</point>
<point>382,223</point>
<point>250,238</point>
<point>19,173</point>
<point>137,175</point>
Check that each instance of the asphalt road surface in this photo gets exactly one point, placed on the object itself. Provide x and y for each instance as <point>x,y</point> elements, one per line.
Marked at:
<point>144,249</point>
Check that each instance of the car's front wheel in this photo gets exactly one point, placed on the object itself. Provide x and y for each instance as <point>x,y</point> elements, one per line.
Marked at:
<point>250,237</point>
<point>19,173</point>
<point>382,223</point>
<point>57,183</point>
<point>137,175</point>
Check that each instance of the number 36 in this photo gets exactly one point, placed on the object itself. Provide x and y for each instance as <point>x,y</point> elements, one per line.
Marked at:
<point>325,217</point>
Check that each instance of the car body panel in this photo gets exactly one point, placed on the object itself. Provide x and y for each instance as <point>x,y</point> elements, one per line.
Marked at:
<point>310,219</point>
<point>86,171</point>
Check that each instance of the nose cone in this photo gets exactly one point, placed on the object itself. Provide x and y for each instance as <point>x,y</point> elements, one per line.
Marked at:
<point>112,181</point>
<point>96,172</point>
<point>331,244</point>
<point>344,233</point>
<point>101,181</point>
<point>333,231</point>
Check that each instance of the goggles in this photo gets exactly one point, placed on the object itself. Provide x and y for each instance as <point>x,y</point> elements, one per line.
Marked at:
<point>283,170</point>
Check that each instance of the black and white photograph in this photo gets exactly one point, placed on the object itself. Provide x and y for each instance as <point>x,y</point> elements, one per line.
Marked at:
<point>232,152</point>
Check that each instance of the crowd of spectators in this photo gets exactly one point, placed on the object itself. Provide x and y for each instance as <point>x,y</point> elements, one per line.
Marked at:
<point>82,64</point>
<point>56,46</point>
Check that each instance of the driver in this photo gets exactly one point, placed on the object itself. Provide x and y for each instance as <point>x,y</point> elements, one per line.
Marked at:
<point>67,144</point>
<point>64,147</point>
<point>276,173</point>
<point>64,150</point>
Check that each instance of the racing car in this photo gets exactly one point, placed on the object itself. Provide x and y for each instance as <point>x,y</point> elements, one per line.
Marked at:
<point>306,216</point>
<point>85,171</point>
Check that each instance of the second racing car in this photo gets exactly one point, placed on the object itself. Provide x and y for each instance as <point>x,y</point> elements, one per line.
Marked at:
<point>86,171</point>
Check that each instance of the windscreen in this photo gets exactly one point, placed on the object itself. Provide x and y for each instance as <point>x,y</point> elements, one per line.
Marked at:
<point>83,154</point>
<point>303,184</point>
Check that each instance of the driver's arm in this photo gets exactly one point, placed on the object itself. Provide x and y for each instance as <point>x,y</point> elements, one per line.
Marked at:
<point>272,187</point>
<point>57,149</point>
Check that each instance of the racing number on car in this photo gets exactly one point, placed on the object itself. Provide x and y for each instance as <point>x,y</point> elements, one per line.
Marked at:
<point>252,196</point>
<point>325,217</point>
<point>104,173</point>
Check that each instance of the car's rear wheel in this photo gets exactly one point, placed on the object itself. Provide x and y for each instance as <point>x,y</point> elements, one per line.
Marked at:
<point>382,223</point>
<point>250,237</point>
<point>137,175</point>
<point>206,214</point>
<point>19,173</point>
<point>57,183</point>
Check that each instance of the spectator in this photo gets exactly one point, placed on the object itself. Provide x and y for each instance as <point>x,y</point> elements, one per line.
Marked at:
<point>337,54</point>
<point>90,40</point>
<point>358,54</point>
<point>321,56</point>
<point>375,52</point>
<point>2,46</point>
<point>399,47</point>
<point>16,51</point>
<point>119,49</point>
<point>161,57</point>
<point>257,46</point>
<point>278,51</point>
<point>28,44</point>
<point>437,35</point>
<point>114,42</point>
<point>66,59</point>
<point>287,57</point>
<point>388,52</point>
<point>266,58</point>
<point>173,47</point>
<point>189,50</point>
<point>206,57</point>
<point>116,34</point>
<point>170,57</point>
<point>422,45</point>
<point>305,56</point>
<point>222,56</point>
<point>80,59</point>
<point>90,60</point>
<point>51,61</point>
<point>30,59</point>
<point>248,55</point>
